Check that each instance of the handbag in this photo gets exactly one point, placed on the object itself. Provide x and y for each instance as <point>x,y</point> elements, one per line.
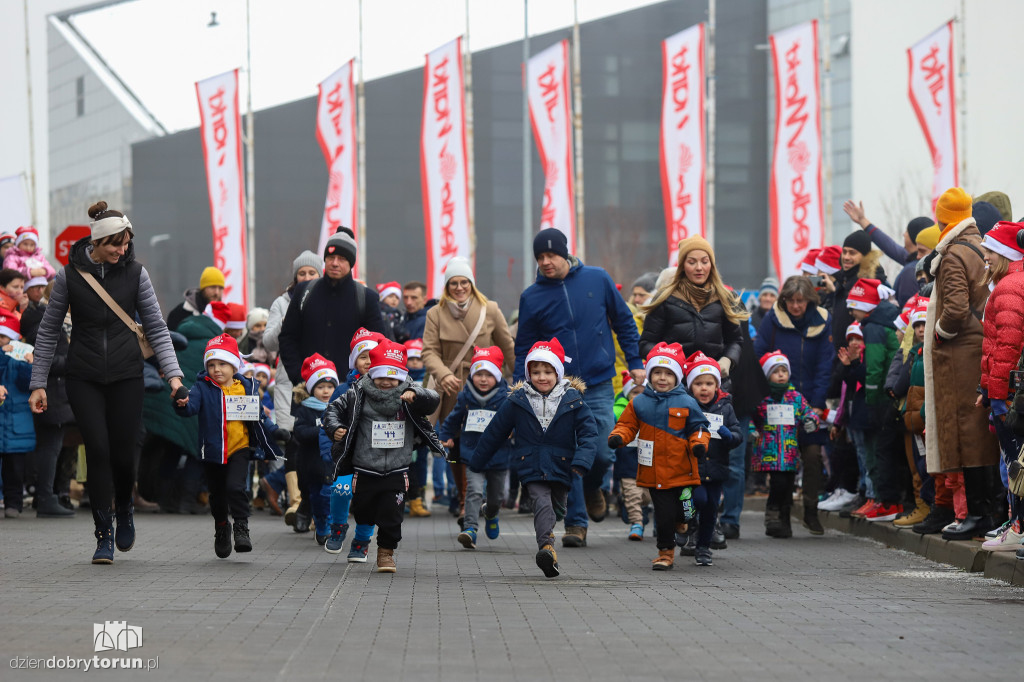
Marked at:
<point>1015,474</point>
<point>135,327</point>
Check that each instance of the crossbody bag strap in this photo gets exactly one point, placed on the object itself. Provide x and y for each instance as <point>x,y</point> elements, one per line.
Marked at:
<point>111,303</point>
<point>472,338</point>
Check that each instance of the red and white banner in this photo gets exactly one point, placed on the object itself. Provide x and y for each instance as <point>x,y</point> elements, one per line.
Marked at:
<point>547,82</point>
<point>444,169</point>
<point>221,130</point>
<point>795,196</point>
<point>931,94</point>
<point>682,136</point>
<point>336,133</point>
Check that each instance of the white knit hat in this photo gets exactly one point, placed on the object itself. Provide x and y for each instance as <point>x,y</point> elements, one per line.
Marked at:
<point>458,267</point>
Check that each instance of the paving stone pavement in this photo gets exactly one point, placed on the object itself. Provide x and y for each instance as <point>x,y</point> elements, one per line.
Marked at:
<point>832,607</point>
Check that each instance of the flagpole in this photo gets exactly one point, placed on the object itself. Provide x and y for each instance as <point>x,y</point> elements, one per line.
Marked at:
<point>826,32</point>
<point>31,124</point>
<point>577,122</point>
<point>710,164</point>
<point>361,143</point>
<point>471,181</point>
<point>250,171</point>
<point>962,142</point>
<point>527,160</point>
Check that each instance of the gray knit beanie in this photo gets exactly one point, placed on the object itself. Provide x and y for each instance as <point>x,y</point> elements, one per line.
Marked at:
<point>342,243</point>
<point>308,259</point>
<point>646,281</point>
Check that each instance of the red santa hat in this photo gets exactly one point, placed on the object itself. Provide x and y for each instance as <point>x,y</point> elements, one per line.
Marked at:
<point>246,368</point>
<point>920,312</point>
<point>488,360</point>
<point>389,288</point>
<point>6,238</point>
<point>223,348</point>
<point>10,326</point>
<point>769,361</point>
<point>807,265</point>
<point>363,340</point>
<point>263,369</point>
<point>236,316</point>
<point>387,361</point>
<point>667,356</point>
<point>854,330</point>
<point>27,232</point>
<point>1002,239</point>
<point>219,312</point>
<point>829,260</point>
<point>698,365</point>
<point>627,383</point>
<point>414,348</point>
<point>317,368</point>
<point>550,352</point>
<point>866,294</point>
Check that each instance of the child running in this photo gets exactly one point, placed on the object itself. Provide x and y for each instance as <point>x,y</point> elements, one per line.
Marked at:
<point>310,399</point>
<point>673,434</point>
<point>556,438</point>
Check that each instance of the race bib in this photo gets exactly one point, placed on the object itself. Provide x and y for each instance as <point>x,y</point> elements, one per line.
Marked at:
<point>716,422</point>
<point>19,350</point>
<point>477,421</point>
<point>388,435</point>
<point>242,408</point>
<point>781,415</point>
<point>645,452</point>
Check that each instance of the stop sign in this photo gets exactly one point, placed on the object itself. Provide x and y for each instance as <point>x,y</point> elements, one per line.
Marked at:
<point>62,244</point>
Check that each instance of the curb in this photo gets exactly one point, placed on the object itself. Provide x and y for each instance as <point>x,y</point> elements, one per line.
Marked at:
<point>967,555</point>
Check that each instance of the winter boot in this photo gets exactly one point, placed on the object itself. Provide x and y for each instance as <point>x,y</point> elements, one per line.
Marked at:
<point>772,522</point>
<point>104,522</point>
<point>914,516</point>
<point>811,522</point>
<point>937,519</point>
<point>242,541</point>
<point>124,537</point>
<point>386,561</point>
<point>417,508</point>
<point>272,497</point>
<point>337,539</point>
<point>664,560</point>
<point>785,527</point>
<point>50,507</point>
<point>547,561</point>
<point>303,517</point>
<point>575,536</point>
<point>597,505</point>
<point>222,539</point>
<point>291,480</point>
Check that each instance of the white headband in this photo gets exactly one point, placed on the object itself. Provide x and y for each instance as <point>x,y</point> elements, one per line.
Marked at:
<point>105,227</point>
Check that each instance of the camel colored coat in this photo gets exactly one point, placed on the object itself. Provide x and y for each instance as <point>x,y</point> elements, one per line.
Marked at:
<point>444,336</point>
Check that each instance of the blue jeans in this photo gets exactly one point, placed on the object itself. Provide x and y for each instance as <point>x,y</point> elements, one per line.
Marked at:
<point>442,468</point>
<point>275,479</point>
<point>600,398</point>
<point>734,488</point>
<point>860,442</point>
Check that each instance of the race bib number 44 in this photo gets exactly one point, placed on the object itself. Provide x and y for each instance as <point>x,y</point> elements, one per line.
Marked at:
<point>388,435</point>
<point>242,408</point>
<point>477,421</point>
<point>781,415</point>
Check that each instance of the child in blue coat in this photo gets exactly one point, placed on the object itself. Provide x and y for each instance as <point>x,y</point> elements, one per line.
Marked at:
<point>232,430</point>
<point>17,430</point>
<point>556,439</point>
<point>474,409</point>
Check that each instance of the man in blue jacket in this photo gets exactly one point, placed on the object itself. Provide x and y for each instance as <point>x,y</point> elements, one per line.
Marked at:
<point>580,306</point>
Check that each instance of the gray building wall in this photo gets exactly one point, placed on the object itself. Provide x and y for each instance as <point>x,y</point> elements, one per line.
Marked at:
<point>625,226</point>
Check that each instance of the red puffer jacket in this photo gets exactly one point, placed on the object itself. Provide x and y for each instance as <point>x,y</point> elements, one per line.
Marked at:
<point>1004,332</point>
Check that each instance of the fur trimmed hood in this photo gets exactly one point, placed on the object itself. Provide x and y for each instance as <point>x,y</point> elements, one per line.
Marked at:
<point>574,382</point>
<point>951,236</point>
<point>868,267</point>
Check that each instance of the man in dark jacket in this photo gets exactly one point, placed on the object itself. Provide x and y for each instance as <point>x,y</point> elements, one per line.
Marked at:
<point>210,289</point>
<point>324,313</point>
<point>414,296</point>
<point>581,307</point>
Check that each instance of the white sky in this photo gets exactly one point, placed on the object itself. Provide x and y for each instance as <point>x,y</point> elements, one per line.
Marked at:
<point>161,47</point>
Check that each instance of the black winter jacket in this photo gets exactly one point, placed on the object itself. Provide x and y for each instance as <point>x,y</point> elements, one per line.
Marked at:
<point>676,321</point>
<point>58,411</point>
<point>714,465</point>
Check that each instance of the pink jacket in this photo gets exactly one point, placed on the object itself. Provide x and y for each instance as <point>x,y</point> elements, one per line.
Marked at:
<point>19,260</point>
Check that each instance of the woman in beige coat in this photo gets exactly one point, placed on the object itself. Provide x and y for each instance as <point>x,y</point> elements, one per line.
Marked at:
<point>448,328</point>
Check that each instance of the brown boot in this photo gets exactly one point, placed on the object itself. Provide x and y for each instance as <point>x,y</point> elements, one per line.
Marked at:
<point>272,497</point>
<point>291,479</point>
<point>597,505</point>
<point>913,516</point>
<point>547,561</point>
<point>141,504</point>
<point>417,508</point>
<point>575,536</point>
<point>664,560</point>
<point>386,561</point>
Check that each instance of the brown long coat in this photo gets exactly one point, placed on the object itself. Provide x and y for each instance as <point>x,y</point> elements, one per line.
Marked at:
<point>956,432</point>
<point>444,336</point>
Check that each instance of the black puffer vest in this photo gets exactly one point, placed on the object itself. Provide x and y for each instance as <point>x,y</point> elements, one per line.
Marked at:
<point>103,349</point>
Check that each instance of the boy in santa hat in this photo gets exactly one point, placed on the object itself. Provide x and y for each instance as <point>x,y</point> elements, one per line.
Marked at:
<point>309,400</point>
<point>475,407</point>
<point>556,439</point>
<point>635,503</point>
<point>394,319</point>
<point>232,430</point>
<point>375,427</point>
<point>673,434</point>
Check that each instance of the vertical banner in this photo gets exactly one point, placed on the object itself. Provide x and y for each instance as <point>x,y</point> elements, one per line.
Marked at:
<point>443,166</point>
<point>336,133</point>
<point>683,136</point>
<point>795,196</point>
<point>547,82</point>
<point>931,94</point>
<point>221,130</point>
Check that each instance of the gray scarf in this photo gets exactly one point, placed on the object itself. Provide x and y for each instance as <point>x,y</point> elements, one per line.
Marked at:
<point>384,402</point>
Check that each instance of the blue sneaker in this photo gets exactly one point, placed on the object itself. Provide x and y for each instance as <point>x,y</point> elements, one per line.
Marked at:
<point>357,553</point>
<point>337,538</point>
<point>491,528</point>
<point>467,538</point>
<point>636,532</point>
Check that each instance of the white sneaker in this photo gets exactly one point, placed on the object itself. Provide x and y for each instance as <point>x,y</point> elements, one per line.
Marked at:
<point>841,501</point>
<point>952,526</point>
<point>826,504</point>
<point>1009,541</point>
<point>997,532</point>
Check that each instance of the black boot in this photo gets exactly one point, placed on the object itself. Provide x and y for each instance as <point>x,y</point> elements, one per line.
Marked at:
<point>785,525</point>
<point>772,522</point>
<point>124,538</point>
<point>937,519</point>
<point>242,541</point>
<point>811,522</point>
<point>302,517</point>
<point>978,490</point>
<point>104,522</point>
<point>222,539</point>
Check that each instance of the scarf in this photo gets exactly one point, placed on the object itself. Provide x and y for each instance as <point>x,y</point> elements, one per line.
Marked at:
<point>697,296</point>
<point>384,402</point>
<point>777,391</point>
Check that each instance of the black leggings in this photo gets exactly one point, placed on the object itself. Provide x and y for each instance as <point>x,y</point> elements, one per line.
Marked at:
<point>108,416</point>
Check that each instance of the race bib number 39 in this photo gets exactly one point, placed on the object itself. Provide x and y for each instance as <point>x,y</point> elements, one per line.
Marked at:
<point>242,408</point>
<point>716,421</point>
<point>388,435</point>
<point>477,421</point>
<point>781,415</point>
<point>645,452</point>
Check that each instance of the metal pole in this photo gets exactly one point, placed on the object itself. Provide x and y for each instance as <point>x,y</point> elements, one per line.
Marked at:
<point>361,135</point>
<point>577,124</point>
<point>468,99</point>
<point>31,123</point>
<point>528,263</point>
<point>250,173</point>
<point>826,33</point>
<point>962,146</point>
<point>710,168</point>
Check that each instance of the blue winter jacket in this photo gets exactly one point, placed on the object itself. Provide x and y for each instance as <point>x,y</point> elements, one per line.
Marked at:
<point>206,399</point>
<point>17,430</point>
<point>570,441</point>
<point>581,311</point>
<point>808,348</point>
<point>469,399</point>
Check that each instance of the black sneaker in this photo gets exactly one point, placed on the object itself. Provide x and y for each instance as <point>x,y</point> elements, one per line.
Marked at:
<point>718,538</point>
<point>731,531</point>
<point>937,519</point>
<point>242,541</point>
<point>703,556</point>
<point>547,561</point>
<point>222,539</point>
<point>687,543</point>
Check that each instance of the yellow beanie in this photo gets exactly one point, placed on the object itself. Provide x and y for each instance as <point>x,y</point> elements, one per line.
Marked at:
<point>928,237</point>
<point>211,277</point>
<point>953,207</point>
<point>695,243</point>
